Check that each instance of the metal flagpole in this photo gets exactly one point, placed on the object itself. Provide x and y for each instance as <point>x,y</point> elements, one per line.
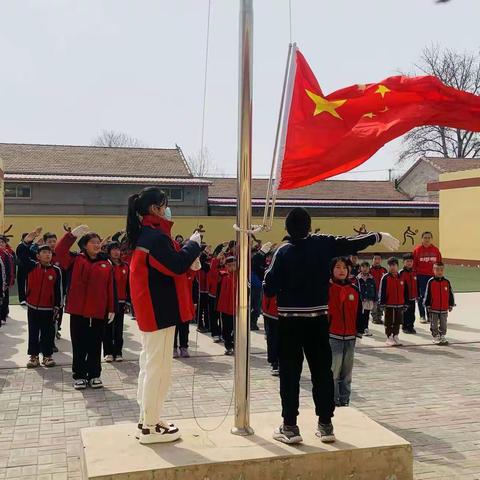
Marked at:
<point>244,211</point>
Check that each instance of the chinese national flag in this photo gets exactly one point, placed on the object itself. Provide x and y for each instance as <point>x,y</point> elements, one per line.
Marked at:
<point>329,135</point>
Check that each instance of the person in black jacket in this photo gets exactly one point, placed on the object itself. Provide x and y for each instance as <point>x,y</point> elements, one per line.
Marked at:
<point>299,276</point>
<point>259,265</point>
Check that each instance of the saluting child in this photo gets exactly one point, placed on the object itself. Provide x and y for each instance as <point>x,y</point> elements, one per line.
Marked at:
<point>226,302</point>
<point>113,337</point>
<point>344,310</point>
<point>43,297</point>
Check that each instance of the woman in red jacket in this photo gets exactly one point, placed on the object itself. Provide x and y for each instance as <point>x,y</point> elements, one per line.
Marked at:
<point>424,257</point>
<point>162,297</point>
<point>90,302</point>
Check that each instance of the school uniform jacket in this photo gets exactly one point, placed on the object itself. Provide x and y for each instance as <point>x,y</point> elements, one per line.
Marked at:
<point>213,277</point>
<point>269,307</point>
<point>299,274</point>
<point>91,290</point>
<point>344,310</point>
<point>44,284</point>
<point>121,272</point>
<point>377,272</point>
<point>439,295</point>
<point>226,298</point>
<point>367,287</point>
<point>7,258</point>
<point>393,291</point>
<point>159,288</point>
<point>424,258</point>
<point>410,279</point>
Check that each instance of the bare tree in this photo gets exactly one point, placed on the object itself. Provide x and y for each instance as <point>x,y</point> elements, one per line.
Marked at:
<point>201,164</point>
<point>110,138</point>
<point>458,70</point>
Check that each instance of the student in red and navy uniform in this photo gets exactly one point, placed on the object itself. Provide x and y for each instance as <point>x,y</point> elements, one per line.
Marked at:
<point>43,297</point>
<point>438,301</point>
<point>203,315</point>
<point>377,272</point>
<point>217,263</point>
<point>270,320</point>
<point>7,259</point>
<point>226,302</point>
<point>424,257</point>
<point>162,297</point>
<point>409,276</point>
<point>90,302</point>
<point>113,337</point>
<point>393,297</point>
<point>344,310</point>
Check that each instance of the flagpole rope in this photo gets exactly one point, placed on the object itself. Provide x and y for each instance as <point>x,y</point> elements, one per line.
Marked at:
<point>201,160</point>
<point>290,19</point>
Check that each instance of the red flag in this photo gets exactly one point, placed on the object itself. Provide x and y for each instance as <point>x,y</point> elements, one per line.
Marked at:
<point>330,135</point>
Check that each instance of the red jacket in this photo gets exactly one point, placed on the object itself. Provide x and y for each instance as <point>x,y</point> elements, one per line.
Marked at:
<point>227,297</point>
<point>91,287</point>
<point>439,295</point>
<point>377,272</point>
<point>344,310</point>
<point>393,291</point>
<point>410,279</point>
<point>7,259</point>
<point>121,273</point>
<point>160,290</point>
<point>44,284</point>
<point>269,307</point>
<point>213,277</point>
<point>424,258</point>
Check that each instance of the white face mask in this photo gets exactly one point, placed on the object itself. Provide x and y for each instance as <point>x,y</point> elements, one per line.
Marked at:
<point>168,213</point>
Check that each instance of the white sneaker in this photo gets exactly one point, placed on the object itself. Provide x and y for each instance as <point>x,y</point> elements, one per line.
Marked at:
<point>367,333</point>
<point>119,358</point>
<point>108,358</point>
<point>160,433</point>
<point>423,320</point>
<point>397,341</point>
<point>436,340</point>
<point>390,341</point>
<point>443,340</point>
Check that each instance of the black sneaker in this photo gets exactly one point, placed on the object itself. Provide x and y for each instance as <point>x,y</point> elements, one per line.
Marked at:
<point>325,432</point>
<point>288,434</point>
<point>55,349</point>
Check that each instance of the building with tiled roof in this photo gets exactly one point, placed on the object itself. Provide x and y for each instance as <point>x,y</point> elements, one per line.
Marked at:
<point>427,170</point>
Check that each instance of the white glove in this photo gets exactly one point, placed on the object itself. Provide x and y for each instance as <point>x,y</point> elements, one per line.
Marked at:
<point>266,247</point>
<point>389,242</point>
<point>111,316</point>
<point>196,265</point>
<point>196,237</point>
<point>80,231</point>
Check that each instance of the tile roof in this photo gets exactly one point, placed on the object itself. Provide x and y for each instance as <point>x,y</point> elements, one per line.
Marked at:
<point>87,160</point>
<point>446,165</point>
<point>326,190</point>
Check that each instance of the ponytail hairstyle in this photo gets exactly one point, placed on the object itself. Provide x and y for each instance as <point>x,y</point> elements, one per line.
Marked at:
<point>138,205</point>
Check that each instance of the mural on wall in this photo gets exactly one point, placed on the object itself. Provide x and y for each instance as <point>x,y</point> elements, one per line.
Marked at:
<point>361,230</point>
<point>409,234</point>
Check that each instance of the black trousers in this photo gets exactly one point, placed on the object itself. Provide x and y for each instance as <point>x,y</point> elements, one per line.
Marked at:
<point>21,281</point>
<point>271,329</point>
<point>393,320</point>
<point>181,335</point>
<point>4,308</point>
<point>86,335</point>
<point>409,315</point>
<point>41,332</point>
<point>228,322</point>
<point>203,316</point>
<point>113,336</point>
<point>363,321</point>
<point>214,317</point>
<point>309,336</point>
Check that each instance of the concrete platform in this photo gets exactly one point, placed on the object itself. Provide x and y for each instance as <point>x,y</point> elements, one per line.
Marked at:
<point>364,451</point>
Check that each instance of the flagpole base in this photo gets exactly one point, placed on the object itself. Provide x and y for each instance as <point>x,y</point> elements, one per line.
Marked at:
<point>242,432</point>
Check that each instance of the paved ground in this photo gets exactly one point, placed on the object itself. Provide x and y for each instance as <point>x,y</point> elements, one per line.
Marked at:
<point>430,395</point>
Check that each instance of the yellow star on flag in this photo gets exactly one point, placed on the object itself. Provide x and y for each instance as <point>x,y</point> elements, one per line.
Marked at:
<point>324,105</point>
<point>382,90</point>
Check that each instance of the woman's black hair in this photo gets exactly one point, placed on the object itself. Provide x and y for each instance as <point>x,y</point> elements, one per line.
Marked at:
<point>138,205</point>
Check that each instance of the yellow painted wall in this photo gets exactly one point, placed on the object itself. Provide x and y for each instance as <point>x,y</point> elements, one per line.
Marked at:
<point>219,229</point>
<point>459,218</point>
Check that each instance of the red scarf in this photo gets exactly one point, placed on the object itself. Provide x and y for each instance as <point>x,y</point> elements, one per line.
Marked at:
<point>182,284</point>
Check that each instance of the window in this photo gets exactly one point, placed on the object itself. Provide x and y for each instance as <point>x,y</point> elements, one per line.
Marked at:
<point>174,194</point>
<point>17,190</point>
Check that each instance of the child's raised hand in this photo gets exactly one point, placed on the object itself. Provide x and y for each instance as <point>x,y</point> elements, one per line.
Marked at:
<point>33,235</point>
